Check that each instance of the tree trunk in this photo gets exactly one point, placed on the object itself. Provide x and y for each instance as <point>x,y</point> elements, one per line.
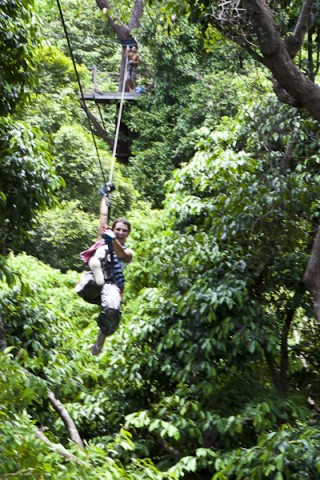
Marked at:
<point>123,32</point>
<point>289,77</point>
<point>3,342</point>
<point>277,57</point>
<point>56,447</point>
<point>67,420</point>
<point>312,274</point>
<point>100,131</point>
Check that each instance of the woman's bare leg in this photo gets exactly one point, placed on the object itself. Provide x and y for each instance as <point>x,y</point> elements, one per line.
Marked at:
<point>97,347</point>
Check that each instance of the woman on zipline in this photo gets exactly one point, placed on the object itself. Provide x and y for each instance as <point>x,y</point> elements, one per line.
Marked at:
<point>106,259</point>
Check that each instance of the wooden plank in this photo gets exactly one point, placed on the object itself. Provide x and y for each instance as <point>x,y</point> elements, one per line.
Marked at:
<point>106,97</point>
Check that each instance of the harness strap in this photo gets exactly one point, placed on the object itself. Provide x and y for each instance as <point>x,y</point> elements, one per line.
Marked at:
<point>112,269</point>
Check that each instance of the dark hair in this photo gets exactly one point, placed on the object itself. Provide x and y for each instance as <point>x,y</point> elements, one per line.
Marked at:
<point>122,220</point>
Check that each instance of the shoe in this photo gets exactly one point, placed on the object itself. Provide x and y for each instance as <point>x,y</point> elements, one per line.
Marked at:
<point>96,349</point>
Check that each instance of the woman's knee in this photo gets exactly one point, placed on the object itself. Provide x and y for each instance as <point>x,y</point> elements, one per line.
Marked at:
<point>95,265</point>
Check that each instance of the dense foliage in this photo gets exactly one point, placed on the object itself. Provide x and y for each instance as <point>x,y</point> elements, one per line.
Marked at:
<point>187,92</point>
<point>58,236</point>
<point>27,175</point>
<point>213,373</point>
<point>19,34</point>
<point>233,308</point>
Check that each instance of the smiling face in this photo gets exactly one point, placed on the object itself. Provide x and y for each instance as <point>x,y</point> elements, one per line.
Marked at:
<point>121,231</point>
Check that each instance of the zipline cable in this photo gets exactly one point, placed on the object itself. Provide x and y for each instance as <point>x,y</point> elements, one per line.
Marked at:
<point>115,144</point>
<point>80,86</point>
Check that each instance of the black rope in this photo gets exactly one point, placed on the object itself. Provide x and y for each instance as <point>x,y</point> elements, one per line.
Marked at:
<point>101,116</point>
<point>80,87</point>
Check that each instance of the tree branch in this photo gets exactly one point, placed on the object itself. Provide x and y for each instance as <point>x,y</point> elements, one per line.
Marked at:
<point>67,420</point>
<point>280,375</point>
<point>284,96</point>
<point>56,447</point>
<point>122,30</point>
<point>318,53</point>
<point>3,342</point>
<point>311,276</point>
<point>272,368</point>
<point>176,454</point>
<point>262,19</point>
<point>100,131</point>
<point>294,42</point>
<point>277,59</point>
<point>137,13</point>
<point>20,473</point>
<point>284,357</point>
<point>239,39</point>
<point>254,55</point>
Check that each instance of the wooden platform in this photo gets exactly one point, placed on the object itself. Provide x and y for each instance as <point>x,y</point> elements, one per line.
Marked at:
<point>106,97</point>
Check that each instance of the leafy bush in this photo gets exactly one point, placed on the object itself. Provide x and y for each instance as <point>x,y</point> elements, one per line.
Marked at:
<point>60,234</point>
<point>28,179</point>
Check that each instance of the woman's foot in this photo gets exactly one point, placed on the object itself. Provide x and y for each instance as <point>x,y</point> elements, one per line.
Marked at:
<point>96,349</point>
<point>98,346</point>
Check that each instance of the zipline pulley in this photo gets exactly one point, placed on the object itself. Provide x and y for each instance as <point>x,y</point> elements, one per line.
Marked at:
<point>106,191</point>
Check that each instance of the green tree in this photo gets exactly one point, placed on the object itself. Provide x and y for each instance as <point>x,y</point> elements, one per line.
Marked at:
<point>19,35</point>
<point>274,36</point>
<point>48,364</point>
<point>188,92</point>
<point>55,237</point>
<point>214,368</point>
<point>27,179</point>
<point>225,338</point>
<point>60,234</point>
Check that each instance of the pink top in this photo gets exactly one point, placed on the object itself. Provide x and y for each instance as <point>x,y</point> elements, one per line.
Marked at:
<point>87,254</point>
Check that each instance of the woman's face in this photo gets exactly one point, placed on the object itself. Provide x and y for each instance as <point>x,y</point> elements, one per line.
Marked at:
<point>121,231</point>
